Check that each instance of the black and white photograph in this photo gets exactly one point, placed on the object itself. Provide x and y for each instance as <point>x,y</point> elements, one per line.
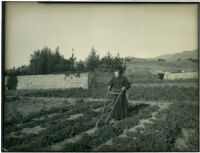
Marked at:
<point>100,77</point>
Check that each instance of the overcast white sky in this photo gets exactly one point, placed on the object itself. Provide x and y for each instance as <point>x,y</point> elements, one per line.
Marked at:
<point>138,30</point>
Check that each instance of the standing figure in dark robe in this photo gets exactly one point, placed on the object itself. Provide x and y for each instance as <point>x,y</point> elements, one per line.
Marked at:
<point>119,83</point>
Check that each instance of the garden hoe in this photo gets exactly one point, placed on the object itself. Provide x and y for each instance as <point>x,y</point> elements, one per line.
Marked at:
<point>100,122</point>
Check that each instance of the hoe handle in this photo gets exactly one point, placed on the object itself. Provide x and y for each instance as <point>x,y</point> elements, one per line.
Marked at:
<point>104,103</point>
<point>114,105</point>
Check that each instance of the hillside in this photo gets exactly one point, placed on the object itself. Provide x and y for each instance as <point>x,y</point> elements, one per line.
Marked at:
<point>147,66</point>
<point>183,55</point>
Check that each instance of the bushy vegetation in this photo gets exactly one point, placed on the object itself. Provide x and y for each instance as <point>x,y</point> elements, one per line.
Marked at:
<point>12,82</point>
<point>47,61</point>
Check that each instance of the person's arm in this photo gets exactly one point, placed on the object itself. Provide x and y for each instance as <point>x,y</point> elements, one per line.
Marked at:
<point>110,84</point>
<point>126,84</point>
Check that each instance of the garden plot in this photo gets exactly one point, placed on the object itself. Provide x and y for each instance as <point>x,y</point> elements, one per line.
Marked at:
<point>68,119</point>
<point>73,129</point>
<point>160,119</point>
<point>29,105</point>
<point>141,125</point>
<point>173,130</point>
<point>94,136</point>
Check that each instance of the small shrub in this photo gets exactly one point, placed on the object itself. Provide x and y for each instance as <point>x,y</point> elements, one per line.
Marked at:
<point>12,82</point>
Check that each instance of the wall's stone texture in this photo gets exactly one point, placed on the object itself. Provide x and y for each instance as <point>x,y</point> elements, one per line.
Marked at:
<point>186,75</point>
<point>57,81</point>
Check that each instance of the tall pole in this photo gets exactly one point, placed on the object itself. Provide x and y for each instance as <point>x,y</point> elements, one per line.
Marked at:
<point>73,58</point>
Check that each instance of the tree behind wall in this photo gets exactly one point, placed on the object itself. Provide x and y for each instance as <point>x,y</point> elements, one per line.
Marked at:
<point>39,63</point>
<point>46,61</point>
<point>92,60</point>
<point>109,63</point>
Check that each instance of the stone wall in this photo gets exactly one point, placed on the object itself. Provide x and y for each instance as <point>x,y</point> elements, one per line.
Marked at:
<point>53,81</point>
<point>186,75</point>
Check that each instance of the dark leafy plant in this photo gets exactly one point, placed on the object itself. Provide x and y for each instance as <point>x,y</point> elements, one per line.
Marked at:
<point>12,82</point>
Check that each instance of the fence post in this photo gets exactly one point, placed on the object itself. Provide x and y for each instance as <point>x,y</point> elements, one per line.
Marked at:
<point>93,88</point>
<point>93,84</point>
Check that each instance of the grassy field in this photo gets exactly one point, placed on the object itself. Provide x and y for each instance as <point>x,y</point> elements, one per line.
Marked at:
<point>163,116</point>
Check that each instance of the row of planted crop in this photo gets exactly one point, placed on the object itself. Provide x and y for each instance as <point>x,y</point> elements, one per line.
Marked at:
<point>57,127</point>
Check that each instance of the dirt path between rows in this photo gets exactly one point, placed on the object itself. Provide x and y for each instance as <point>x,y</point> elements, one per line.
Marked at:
<point>182,143</point>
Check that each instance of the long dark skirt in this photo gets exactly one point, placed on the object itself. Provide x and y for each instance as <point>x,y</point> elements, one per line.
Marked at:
<point>121,109</point>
